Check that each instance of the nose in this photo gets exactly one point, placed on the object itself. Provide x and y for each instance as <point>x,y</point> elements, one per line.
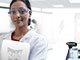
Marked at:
<point>17,14</point>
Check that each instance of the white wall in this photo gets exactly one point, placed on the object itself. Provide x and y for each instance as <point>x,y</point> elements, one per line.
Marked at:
<point>4,21</point>
<point>65,24</point>
<point>59,26</point>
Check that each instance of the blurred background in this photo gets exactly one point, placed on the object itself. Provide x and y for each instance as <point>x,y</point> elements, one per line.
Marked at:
<point>57,20</point>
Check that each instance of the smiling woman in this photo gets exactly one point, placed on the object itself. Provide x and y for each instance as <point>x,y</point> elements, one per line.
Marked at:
<point>20,14</point>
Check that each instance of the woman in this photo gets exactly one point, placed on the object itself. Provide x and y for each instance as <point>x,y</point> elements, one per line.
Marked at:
<point>20,13</point>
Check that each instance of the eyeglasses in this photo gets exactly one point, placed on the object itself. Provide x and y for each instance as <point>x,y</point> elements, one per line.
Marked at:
<point>21,10</point>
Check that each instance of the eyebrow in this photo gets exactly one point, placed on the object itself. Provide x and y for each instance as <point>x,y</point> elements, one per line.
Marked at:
<point>17,8</point>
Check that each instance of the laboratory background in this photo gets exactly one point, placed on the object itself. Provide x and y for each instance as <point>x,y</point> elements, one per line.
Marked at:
<point>57,20</point>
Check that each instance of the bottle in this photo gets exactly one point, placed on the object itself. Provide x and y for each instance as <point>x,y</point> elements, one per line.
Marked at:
<point>73,53</point>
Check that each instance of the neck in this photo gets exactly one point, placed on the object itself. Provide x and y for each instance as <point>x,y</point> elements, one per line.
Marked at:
<point>21,31</point>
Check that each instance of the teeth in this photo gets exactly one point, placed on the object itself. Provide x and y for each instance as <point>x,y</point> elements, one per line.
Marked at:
<point>20,20</point>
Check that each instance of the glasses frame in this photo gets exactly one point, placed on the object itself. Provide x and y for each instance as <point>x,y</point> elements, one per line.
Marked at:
<point>28,10</point>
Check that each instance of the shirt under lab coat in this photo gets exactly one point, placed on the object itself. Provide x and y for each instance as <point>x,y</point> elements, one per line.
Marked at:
<point>38,44</point>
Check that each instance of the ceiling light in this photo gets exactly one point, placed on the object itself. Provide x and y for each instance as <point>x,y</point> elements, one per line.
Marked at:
<point>74,1</point>
<point>58,6</point>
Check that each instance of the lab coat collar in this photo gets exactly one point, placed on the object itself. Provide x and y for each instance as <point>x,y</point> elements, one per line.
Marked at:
<point>28,35</point>
<point>25,37</point>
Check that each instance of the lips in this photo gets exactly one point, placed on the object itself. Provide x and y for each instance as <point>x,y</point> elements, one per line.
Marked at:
<point>21,20</point>
<point>17,20</point>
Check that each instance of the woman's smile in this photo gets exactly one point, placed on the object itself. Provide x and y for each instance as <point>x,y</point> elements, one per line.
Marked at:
<point>18,20</point>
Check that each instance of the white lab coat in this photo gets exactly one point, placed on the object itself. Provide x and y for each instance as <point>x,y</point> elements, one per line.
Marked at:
<point>38,44</point>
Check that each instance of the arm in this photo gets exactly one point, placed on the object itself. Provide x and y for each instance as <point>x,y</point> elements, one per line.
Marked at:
<point>39,50</point>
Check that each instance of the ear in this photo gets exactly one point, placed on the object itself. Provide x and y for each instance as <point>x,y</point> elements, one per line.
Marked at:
<point>30,13</point>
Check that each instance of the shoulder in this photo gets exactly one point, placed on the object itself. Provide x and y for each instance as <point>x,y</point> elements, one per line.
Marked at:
<point>38,39</point>
<point>38,36</point>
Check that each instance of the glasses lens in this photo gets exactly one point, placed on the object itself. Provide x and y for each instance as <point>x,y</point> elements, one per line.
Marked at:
<point>21,11</point>
<point>13,12</point>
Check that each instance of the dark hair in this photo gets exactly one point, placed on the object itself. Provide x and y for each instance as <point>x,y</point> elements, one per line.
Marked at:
<point>27,4</point>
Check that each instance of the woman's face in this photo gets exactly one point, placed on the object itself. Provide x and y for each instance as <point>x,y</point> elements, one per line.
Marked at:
<point>19,14</point>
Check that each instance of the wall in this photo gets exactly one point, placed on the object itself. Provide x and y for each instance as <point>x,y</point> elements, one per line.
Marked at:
<point>61,25</point>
